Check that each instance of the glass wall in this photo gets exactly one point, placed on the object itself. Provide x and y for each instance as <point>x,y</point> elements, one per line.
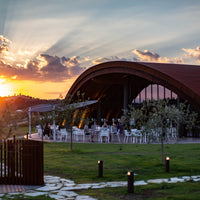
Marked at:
<point>154,92</point>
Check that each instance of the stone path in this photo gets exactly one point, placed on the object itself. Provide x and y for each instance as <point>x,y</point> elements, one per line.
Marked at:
<point>60,188</point>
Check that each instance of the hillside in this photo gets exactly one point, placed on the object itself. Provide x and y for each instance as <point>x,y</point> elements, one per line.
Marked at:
<point>22,102</point>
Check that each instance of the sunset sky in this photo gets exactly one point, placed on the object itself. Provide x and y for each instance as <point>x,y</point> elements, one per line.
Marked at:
<point>46,44</point>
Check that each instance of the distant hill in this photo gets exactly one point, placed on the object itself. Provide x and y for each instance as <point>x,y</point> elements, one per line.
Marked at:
<point>22,102</point>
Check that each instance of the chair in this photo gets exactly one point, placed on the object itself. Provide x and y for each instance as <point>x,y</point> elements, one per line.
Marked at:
<point>78,132</point>
<point>159,133</point>
<point>169,132</point>
<point>63,134</point>
<point>144,134</point>
<point>127,135</point>
<point>115,132</point>
<point>137,134</point>
<point>174,132</point>
<point>87,133</point>
<point>40,132</point>
<point>104,133</point>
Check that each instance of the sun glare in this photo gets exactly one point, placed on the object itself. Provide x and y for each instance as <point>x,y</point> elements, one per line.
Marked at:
<point>5,90</point>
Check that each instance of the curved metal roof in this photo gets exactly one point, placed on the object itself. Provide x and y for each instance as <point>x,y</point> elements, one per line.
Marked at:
<point>107,79</point>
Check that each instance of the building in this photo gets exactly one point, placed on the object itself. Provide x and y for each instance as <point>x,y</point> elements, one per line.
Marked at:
<point>116,84</point>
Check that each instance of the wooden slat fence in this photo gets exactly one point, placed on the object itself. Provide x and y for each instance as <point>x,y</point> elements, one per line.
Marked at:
<point>21,162</point>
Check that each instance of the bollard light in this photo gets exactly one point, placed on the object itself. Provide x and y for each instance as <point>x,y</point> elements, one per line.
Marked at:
<point>167,159</point>
<point>130,176</point>
<point>100,168</point>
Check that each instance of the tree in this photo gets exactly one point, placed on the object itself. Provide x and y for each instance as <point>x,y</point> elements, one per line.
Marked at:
<point>69,115</point>
<point>158,117</point>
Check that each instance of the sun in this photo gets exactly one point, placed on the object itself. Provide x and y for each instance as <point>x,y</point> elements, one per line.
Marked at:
<point>5,89</point>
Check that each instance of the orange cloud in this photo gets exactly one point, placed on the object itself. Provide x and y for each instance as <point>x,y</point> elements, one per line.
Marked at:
<point>43,68</point>
<point>3,44</point>
<point>154,57</point>
<point>193,53</point>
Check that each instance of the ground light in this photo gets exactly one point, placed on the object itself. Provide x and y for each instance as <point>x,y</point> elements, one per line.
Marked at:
<point>167,159</point>
<point>100,168</point>
<point>130,176</point>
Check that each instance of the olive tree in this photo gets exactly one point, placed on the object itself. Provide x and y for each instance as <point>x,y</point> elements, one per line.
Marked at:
<point>69,115</point>
<point>155,119</point>
<point>66,114</point>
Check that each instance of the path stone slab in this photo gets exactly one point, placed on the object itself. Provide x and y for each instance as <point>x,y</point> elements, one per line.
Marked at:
<point>162,180</point>
<point>69,184</point>
<point>67,188</point>
<point>140,183</point>
<point>67,193</point>
<point>49,187</point>
<point>196,179</point>
<point>116,184</point>
<point>55,196</point>
<point>34,194</point>
<point>98,186</point>
<point>82,186</point>
<point>175,180</point>
<point>187,178</point>
<point>52,180</point>
<point>84,197</point>
<point>197,176</point>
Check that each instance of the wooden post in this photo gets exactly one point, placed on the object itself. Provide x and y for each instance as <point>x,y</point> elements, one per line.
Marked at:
<point>14,138</point>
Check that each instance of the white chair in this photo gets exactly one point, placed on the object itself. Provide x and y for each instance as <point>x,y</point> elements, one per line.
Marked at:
<point>174,132</point>
<point>159,133</point>
<point>63,134</point>
<point>104,133</point>
<point>39,130</point>
<point>78,133</point>
<point>136,134</point>
<point>144,134</point>
<point>169,132</point>
<point>127,135</point>
<point>115,132</point>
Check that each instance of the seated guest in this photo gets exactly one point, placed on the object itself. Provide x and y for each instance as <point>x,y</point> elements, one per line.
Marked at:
<point>47,130</point>
<point>87,132</point>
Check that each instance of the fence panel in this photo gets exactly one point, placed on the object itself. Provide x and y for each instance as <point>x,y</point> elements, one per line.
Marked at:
<point>21,162</point>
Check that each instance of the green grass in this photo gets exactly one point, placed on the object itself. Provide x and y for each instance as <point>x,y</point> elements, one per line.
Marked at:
<point>81,165</point>
<point>20,130</point>
<point>145,160</point>
<point>178,191</point>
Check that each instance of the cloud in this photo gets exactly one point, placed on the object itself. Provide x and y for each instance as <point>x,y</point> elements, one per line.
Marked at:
<point>4,42</point>
<point>193,53</point>
<point>43,68</point>
<point>112,58</point>
<point>148,56</point>
<point>100,60</point>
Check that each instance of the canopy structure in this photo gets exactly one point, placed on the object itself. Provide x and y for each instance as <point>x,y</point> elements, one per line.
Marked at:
<point>56,107</point>
<point>42,108</point>
<point>117,83</point>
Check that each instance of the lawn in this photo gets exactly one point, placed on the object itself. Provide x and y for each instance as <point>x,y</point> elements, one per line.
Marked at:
<point>178,191</point>
<point>81,166</point>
